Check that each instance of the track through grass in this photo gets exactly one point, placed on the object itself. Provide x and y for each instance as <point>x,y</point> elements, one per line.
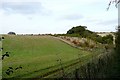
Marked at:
<point>38,55</point>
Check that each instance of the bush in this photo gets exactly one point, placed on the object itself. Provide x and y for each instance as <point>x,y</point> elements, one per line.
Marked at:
<point>118,40</point>
<point>12,33</point>
<point>77,30</point>
<point>75,42</point>
<point>107,39</point>
<point>86,44</point>
<point>91,45</point>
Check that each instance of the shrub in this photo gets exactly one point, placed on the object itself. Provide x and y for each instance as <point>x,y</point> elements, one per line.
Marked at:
<point>75,42</point>
<point>107,39</point>
<point>118,40</point>
<point>91,45</point>
<point>12,33</point>
<point>86,43</point>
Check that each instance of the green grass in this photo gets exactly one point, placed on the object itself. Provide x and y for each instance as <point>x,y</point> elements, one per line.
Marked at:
<point>36,53</point>
<point>0,60</point>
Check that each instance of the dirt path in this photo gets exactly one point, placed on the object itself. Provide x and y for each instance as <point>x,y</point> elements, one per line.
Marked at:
<point>67,42</point>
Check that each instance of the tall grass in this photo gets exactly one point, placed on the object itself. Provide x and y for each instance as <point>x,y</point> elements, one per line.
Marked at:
<point>96,68</point>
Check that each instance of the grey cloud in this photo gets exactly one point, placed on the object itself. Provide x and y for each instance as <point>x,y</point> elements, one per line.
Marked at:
<point>23,7</point>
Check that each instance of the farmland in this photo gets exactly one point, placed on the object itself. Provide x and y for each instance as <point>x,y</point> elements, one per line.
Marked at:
<point>39,55</point>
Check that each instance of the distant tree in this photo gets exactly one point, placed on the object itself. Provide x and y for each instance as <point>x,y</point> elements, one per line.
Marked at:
<point>81,31</point>
<point>77,30</point>
<point>87,33</point>
<point>12,33</point>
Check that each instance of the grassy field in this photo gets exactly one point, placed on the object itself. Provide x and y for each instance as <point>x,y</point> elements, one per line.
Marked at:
<point>0,60</point>
<point>38,55</point>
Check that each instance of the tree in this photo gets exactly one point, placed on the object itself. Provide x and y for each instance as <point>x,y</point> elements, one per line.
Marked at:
<point>81,31</point>
<point>12,33</point>
<point>116,2</point>
<point>77,30</point>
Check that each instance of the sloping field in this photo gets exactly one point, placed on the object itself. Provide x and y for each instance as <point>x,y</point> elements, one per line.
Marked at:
<point>0,60</point>
<point>38,55</point>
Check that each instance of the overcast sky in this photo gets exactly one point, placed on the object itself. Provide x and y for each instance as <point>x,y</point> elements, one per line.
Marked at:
<point>56,16</point>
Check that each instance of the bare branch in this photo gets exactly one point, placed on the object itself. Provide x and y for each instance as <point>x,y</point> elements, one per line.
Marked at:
<point>116,2</point>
